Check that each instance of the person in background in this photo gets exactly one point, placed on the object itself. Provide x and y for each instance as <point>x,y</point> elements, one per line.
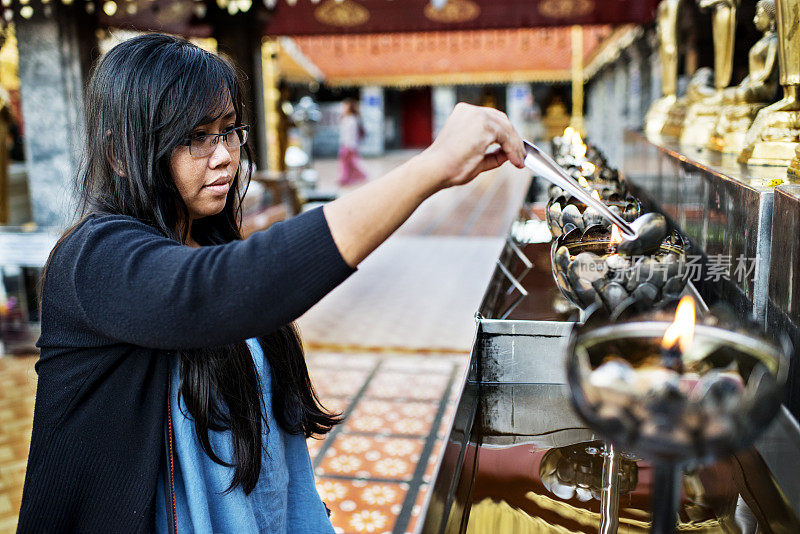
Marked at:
<point>350,134</point>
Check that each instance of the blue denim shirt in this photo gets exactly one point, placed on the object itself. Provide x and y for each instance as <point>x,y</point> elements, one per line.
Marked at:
<point>285,498</point>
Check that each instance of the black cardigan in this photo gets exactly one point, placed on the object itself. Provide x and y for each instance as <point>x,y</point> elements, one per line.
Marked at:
<point>118,297</point>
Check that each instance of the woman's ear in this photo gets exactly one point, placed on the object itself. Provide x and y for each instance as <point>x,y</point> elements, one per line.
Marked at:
<point>116,165</point>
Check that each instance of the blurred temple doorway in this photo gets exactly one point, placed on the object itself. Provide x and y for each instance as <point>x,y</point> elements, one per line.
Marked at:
<point>417,117</point>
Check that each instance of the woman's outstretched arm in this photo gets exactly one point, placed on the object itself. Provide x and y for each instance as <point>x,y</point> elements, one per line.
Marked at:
<point>365,218</point>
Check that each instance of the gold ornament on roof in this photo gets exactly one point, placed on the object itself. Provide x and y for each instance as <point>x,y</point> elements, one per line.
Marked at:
<point>561,9</point>
<point>453,11</point>
<point>345,13</point>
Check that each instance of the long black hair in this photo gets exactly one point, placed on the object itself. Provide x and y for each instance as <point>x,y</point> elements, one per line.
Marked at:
<point>145,97</point>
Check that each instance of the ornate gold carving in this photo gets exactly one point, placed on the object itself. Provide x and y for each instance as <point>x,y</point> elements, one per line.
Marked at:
<point>775,133</point>
<point>562,9</point>
<point>668,56</point>
<point>453,11</point>
<point>344,14</point>
<point>757,90</point>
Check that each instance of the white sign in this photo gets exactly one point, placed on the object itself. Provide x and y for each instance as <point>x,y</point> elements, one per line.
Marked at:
<point>26,249</point>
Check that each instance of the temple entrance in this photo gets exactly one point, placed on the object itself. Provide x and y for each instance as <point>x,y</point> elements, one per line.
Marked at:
<point>416,114</point>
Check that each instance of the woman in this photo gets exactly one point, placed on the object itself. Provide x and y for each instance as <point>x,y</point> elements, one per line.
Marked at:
<point>173,393</point>
<point>350,134</point>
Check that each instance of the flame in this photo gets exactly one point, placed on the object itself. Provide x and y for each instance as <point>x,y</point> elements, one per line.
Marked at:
<point>580,151</point>
<point>681,331</point>
<point>596,196</point>
<point>616,235</point>
<point>583,183</point>
<point>568,131</point>
<point>587,167</point>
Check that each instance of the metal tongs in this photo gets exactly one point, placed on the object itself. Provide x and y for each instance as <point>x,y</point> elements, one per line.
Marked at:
<point>544,166</point>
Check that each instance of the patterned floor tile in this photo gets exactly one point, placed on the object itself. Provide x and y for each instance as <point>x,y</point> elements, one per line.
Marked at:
<point>341,360</point>
<point>433,460</point>
<point>392,417</point>
<point>338,383</point>
<point>419,364</point>
<point>335,404</point>
<point>447,420</point>
<point>394,385</point>
<point>372,457</point>
<point>314,446</point>
<point>359,506</point>
<point>422,494</point>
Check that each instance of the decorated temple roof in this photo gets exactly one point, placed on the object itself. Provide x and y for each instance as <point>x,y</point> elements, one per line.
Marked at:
<point>308,17</point>
<point>445,58</point>
<point>327,17</point>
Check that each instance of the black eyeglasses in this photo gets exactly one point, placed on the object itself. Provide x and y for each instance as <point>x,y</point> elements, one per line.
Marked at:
<point>205,144</point>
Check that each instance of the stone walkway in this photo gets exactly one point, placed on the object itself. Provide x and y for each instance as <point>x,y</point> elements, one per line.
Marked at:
<point>387,349</point>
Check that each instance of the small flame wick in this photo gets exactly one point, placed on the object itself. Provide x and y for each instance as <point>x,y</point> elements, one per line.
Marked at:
<point>616,236</point>
<point>679,335</point>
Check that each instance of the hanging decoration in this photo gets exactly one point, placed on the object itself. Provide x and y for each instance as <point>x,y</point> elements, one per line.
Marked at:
<point>453,11</point>
<point>342,13</point>
<point>564,9</point>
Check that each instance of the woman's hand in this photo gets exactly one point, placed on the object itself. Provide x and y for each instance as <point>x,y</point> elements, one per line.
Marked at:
<point>460,149</point>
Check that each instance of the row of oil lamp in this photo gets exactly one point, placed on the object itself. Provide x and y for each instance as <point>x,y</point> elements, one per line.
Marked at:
<point>645,371</point>
<point>591,264</point>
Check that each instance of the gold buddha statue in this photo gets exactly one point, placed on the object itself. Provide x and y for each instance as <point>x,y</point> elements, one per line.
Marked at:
<point>667,27</point>
<point>757,90</point>
<point>701,117</point>
<point>699,89</point>
<point>775,132</point>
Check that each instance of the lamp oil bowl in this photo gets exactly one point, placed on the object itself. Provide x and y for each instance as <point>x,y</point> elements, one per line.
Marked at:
<point>594,266</point>
<point>605,181</point>
<point>565,212</point>
<point>673,391</point>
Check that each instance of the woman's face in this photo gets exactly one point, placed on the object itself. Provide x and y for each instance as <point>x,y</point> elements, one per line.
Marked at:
<point>204,181</point>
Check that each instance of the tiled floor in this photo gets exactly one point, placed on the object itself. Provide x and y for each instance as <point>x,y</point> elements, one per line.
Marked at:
<point>387,349</point>
<point>373,470</point>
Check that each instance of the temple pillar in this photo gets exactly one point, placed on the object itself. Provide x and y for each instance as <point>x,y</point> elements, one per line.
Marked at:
<point>239,39</point>
<point>55,54</point>
<point>372,118</point>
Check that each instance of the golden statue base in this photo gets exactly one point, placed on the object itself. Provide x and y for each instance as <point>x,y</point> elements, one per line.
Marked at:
<point>657,115</point>
<point>675,118</point>
<point>701,120</point>
<point>774,135</point>
<point>731,129</point>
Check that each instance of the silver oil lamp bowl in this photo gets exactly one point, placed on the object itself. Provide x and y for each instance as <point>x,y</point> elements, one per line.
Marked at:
<point>672,391</point>
<point>565,212</point>
<point>590,268</point>
<point>590,177</point>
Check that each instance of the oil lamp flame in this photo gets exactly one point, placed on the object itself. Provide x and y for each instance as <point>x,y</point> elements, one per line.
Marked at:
<point>616,234</point>
<point>596,196</point>
<point>681,331</point>
<point>583,183</point>
<point>568,131</point>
